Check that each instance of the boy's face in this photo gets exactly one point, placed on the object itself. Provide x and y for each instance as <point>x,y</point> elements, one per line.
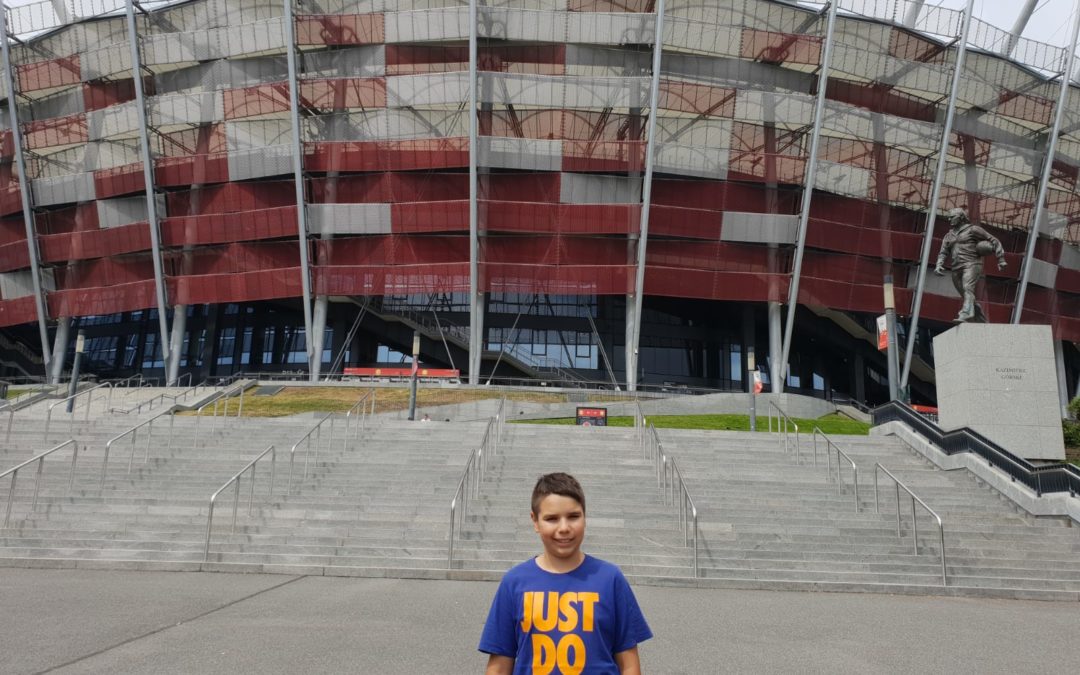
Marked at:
<point>560,522</point>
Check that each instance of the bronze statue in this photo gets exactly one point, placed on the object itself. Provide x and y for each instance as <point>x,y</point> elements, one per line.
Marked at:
<point>967,244</point>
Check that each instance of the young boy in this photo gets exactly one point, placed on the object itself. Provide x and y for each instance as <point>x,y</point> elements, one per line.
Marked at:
<point>563,611</point>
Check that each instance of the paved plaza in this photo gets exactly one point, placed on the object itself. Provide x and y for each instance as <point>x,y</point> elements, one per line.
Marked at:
<point>82,621</point>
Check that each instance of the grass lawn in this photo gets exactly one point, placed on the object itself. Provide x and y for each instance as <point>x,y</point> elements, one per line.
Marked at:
<point>12,393</point>
<point>296,400</point>
<point>830,424</point>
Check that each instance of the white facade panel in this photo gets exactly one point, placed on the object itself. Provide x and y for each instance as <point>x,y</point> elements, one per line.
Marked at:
<point>122,211</point>
<point>332,219</point>
<point>702,37</point>
<point>116,120</point>
<point>172,48</point>
<point>58,105</point>
<point>252,38</point>
<point>768,107</point>
<point>366,61</point>
<point>708,132</point>
<point>579,188</point>
<point>613,29</point>
<point>906,133</point>
<point>194,108</point>
<point>549,91</point>
<point>759,228</point>
<point>273,160</point>
<point>1070,257</point>
<point>1042,273</point>
<point>243,135</point>
<point>111,154</point>
<point>691,160</point>
<point>410,91</point>
<point>68,189</point>
<point>527,154</point>
<point>427,26</point>
<point>102,62</point>
<point>843,179</point>
<point>18,284</point>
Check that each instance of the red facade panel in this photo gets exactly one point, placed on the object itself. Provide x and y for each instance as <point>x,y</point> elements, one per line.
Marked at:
<point>430,217</point>
<point>220,228</point>
<point>60,72</point>
<point>15,311</point>
<point>121,180</point>
<point>193,170</point>
<point>410,155</point>
<point>772,47</point>
<point>14,256</point>
<point>236,287</point>
<point>111,299</point>
<point>94,243</point>
<point>340,29</point>
<point>498,216</point>
<point>392,279</point>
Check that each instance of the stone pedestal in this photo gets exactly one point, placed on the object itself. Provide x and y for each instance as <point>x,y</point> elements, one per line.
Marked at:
<point>1001,381</point>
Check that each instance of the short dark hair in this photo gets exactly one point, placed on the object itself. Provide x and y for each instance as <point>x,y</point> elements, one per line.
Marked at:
<point>562,484</point>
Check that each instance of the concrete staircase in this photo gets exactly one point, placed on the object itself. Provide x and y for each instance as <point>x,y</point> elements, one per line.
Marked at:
<point>378,505</point>
<point>772,523</point>
<point>627,520</point>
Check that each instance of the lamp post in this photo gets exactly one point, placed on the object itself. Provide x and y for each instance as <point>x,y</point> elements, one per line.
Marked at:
<point>415,369</point>
<point>80,346</point>
<point>890,334</point>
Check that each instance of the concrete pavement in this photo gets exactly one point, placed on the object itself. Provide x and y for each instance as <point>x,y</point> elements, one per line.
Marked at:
<point>83,621</point>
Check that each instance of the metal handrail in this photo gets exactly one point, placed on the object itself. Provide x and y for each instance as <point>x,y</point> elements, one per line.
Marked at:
<point>356,417</point>
<point>236,497</point>
<point>40,459</point>
<point>126,382</point>
<point>134,432</point>
<point>829,447</point>
<point>473,467</point>
<point>914,522</point>
<point>787,421</point>
<point>317,431</point>
<point>224,395</point>
<point>11,420</point>
<point>667,470</point>
<point>73,397</point>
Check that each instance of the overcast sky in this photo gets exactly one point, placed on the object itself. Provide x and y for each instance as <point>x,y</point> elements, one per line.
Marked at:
<point>1050,22</point>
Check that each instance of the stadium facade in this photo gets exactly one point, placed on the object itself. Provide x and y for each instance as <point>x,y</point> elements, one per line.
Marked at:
<point>541,187</point>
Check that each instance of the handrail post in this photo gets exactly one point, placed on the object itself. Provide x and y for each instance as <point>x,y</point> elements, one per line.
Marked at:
<point>11,497</point>
<point>209,526</point>
<point>914,527</point>
<point>236,503</point>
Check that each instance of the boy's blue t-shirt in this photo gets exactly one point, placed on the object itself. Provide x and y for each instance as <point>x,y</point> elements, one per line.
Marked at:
<point>564,623</point>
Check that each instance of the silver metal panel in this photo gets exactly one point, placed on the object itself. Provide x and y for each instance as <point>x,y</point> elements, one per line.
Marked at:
<point>274,160</point>
<point>59,105</point>
<point>520,153</point>
<point>1070,256</point>
<point>759,228</point>
<point>68,189</point>
<point>335,219</point>
<point>122,211</point>
<point>579,188</point>
<point>553,91</point>
<point>1042,273</point>
<point>241,135</point>
<point>17,284</point>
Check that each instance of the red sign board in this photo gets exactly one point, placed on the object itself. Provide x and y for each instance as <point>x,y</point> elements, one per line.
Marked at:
<point>592,417</point>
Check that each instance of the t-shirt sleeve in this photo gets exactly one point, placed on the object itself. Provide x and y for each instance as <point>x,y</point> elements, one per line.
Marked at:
<point>499,636</point>
<point>632,628</point>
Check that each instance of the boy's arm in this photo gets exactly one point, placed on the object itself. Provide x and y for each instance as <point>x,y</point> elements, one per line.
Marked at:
<point>628,662</point>
<point>503,665</point>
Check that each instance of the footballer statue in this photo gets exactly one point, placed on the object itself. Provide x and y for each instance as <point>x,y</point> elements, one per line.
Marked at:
<point>967,244</point>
